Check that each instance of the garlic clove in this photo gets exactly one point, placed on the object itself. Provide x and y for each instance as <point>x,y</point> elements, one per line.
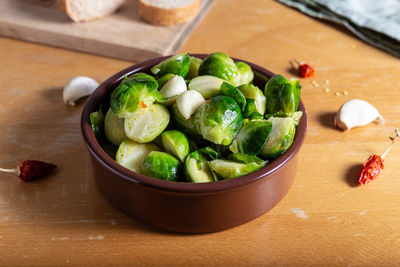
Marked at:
<point>77,88</point>
<point>355,113</point>
<point>189,102</point>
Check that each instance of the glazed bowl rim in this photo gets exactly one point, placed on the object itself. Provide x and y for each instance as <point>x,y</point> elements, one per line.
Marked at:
<point>105,160</point>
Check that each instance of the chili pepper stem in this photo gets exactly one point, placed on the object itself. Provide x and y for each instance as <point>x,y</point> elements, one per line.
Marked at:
<point>9,170</point>
<point>397,134</point>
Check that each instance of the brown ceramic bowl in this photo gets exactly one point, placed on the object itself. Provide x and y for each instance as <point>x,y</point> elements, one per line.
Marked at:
<point>188,207</point>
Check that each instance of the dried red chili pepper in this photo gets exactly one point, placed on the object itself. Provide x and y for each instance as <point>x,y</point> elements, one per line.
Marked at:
<point>30,170</point>
<point>143,104</point>
<point>374,164</point>
<point>306,70</point>
<point>371,169</point>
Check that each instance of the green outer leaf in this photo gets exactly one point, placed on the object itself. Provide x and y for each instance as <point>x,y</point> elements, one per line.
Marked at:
<point>282,95</point>
<point>251,138</point>
<point>228,169</point>
<point>246,158</point>
<point>208,152</point>
<point>230,90</point>
<point>220,65</point>
<point>219,120</point>
<point>178,64</point>
<point>246,75</point>
<point>176,143</point>
<point>194,67</point>
<point>97,122</point>
<point>161,165</point>
<point>132,91</point>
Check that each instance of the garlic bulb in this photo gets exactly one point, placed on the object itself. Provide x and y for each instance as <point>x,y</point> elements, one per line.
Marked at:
<point>355,113</point>
<point>77,88</point>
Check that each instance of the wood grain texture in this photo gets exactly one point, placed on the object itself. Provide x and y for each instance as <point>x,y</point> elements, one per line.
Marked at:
<point>325,220</point>
<point>121,35</point>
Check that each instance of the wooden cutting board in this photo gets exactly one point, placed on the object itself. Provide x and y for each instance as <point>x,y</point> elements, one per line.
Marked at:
<point>122,35</point>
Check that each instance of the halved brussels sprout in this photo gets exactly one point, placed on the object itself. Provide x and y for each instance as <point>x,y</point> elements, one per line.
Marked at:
<point>208,86</point>
<point>232,91</point>
<point>194,67</point>
<point>246,75</point>
<point>283,96</point>
<point>219,120</point>
<point>280,138</point>
<point>185,125</point>
<point>131,154</point>
<point>251,137</point>
<point>196,168</point>
<point>164,79</point>
<point>145,124</point>
<point>114,128</point>
<point>172,89</point>
<point>161,165</point>
<point>220,65</point>
<point>175,143</point>
<point>178,64</point>
<point>97,122</point>
<point>137,91</point>
<point>228,169</point>
<point>189,102</point>
<point>253,92</point>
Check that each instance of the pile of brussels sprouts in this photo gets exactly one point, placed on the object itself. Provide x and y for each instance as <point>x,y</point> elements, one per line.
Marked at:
<point>198,120</point>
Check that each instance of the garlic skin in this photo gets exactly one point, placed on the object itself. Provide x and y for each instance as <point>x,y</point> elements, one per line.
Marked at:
<point>77,88</point>
<point>355,113</point>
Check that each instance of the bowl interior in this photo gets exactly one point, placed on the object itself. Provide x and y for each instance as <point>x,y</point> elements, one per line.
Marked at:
<point>101,97</point>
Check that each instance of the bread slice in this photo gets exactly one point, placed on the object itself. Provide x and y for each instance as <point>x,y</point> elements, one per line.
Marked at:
<point>168,12</point>
<point>85,10</point>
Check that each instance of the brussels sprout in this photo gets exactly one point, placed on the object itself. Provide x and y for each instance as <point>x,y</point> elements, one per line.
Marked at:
<point>161,165</point>
<point>283,96</point>
<point>251,138</point>
<point>175,143</point>
<point>246,75</point>
<point>250,112</point>
<point>137,91</point>
<point>194,67</point>
<point>232,91</point>
<point>174,87</point>
<point>219,120</point>
<point>220,65</point>
<point>246,158</point>
<point>97,122</point>
<point>208,86</point>
<point>253,92</point>
<point>185,125</point>
<point>131,154</point>
<point>114,128</point>
<point>280,138</point>
<point>164,79</point>
<point>196,168</point>
<point>145,124</point>
<point>178,64</point>
<point>227,169</point>
<point>189,102</point>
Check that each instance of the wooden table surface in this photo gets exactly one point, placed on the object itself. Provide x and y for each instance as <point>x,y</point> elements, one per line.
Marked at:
<point>325,219</point>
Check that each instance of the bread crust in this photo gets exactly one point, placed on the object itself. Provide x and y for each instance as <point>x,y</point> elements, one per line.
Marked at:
<point>67,7</point>
<point>168,17</point>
